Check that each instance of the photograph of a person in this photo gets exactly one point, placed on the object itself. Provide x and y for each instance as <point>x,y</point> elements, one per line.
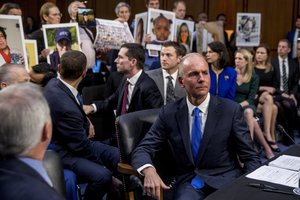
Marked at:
<point>248,29</point>
<point>86,17</point>
<point>160,26</point>
<point>12,45</point>
<point>60,38</point>
<point>183,33</point>
<point>31,51</point>
<point>140,28</point>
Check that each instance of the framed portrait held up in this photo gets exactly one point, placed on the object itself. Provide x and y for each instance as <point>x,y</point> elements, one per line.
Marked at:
<point>160,27</point>
<point>248,27</point>
<point>60,38</point>
<point>12,46</point>
<point>32,55</point>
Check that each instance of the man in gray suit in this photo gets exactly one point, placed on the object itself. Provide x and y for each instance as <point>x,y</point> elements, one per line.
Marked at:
<point>166,77</point>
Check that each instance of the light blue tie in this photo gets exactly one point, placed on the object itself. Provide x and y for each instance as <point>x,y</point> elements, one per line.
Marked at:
<point>197,182</point>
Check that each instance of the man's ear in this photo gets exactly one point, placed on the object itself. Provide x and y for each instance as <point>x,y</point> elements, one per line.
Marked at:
<point>3,85</point>
<point>84,73</point>
<point>180,80</point>
<point>47,131</point>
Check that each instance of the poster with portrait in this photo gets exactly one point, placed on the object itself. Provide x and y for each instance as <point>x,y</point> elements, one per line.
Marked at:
<point>184,32</point>
<point>60,38</point>
<point>12,46</point>
<point>140,27</point>
<point>85,17</point>
<point>31,51</point>
<point>160,27</point>
<point>112,34</point>
<point>248,26</point>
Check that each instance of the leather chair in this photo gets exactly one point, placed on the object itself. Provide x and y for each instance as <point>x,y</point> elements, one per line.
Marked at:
<point>54,168</point>
<point>104,122</point>
<point>131,128</point>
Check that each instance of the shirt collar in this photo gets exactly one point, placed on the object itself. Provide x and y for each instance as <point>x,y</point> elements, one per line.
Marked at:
<point>135,78</point>
<point>203,106</point>
<point>166,74</point>
<point>73,90</point>
<point>37,166</point>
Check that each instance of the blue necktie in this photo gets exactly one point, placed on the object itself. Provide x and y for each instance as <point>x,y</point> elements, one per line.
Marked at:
<point>197,182</point>
<point>79,98</point>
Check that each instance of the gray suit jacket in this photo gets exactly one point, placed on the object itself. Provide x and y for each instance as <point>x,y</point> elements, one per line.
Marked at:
<point>157,76</point>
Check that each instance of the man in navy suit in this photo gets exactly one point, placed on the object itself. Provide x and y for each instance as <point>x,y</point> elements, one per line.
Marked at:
<point>213,161</point>
<point>91,161</point>
<point>142,92</point>
<point>286,97</point>
<point>293,37</point>
<point>25,133</point>
<point>170,56</point>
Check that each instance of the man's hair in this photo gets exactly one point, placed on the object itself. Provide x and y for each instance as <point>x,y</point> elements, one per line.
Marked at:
<point>181,65</point>
<point>135,51</point>
<point>8,6</point>
<point>72,65</point>
<point>179,49</point>
<point>147,1</point>
<point>24,112</point>
<point>45,69</point>
<point>175,4</point>
<point>286,41</point>
<point>2,30</point>
<point>220,15</point>
<point>45,10</point>
<point>7,72</point>
<point>120,5</point>
<point>221,50</point>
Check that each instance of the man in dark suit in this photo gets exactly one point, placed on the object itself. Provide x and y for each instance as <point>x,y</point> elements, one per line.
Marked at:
<point>293,37</point>
<point>286,77</point>
<point>137,90</point>
<point>92,161</point>
<point>209,160</point>
<point>170,56</point>
<point>25,133</point>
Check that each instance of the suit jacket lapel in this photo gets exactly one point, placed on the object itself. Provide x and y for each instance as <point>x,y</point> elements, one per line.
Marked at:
<point>70,94</point>
<point>211,123</point>
<point>182,117</point>
<point>137,87</point>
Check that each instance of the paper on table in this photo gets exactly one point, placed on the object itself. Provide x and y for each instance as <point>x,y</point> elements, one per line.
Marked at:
<point>287,162</point>
<point>275,175</point>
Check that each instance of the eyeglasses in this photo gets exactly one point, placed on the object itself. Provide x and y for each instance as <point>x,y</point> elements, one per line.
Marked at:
<point>56,14</point>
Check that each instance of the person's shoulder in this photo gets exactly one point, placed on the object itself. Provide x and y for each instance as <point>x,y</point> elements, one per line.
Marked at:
<point>224,102</point>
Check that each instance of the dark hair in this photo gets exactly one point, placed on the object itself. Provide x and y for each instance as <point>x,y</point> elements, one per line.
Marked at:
<point>8,6</point>
<point>179,32</point>
<point>268,61</point>
<point>179,49</point>
<point>220,15</point>
<point>72,64</point>
<point>175,4</point>
<point>135,51</point>
<point>286,41</point>
<point>46,69</point>
<point>220,49</point>
<point>161,16</point>
<point>147,1</point>
<point>2,30</point>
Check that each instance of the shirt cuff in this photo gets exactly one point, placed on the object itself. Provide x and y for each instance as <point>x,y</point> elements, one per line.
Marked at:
<point>140,169</point>
<point>94,107</point>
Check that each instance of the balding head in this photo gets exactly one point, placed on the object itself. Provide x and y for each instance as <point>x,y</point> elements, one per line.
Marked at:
<point>194,77</point>
<point>12,74</point>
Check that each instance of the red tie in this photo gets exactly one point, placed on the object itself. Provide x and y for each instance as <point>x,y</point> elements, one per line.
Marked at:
<point>125,98</point>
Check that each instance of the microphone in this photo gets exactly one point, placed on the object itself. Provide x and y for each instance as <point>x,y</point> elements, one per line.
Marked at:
<point>282,130</point>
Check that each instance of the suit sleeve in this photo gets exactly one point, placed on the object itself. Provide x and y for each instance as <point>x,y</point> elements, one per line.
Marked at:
<point>243,142</point>
<point>151,143</point>
<point>72,130</point>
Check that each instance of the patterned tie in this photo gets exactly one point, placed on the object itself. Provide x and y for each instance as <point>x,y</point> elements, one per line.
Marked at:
<point>170,90</point>
<point>125,98</point>
<point>197,182</point>
<point>284,77</point>
<point>80,100</point>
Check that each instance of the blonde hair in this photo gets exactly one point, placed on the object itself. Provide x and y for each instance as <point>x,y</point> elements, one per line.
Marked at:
<point>250,67</point>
